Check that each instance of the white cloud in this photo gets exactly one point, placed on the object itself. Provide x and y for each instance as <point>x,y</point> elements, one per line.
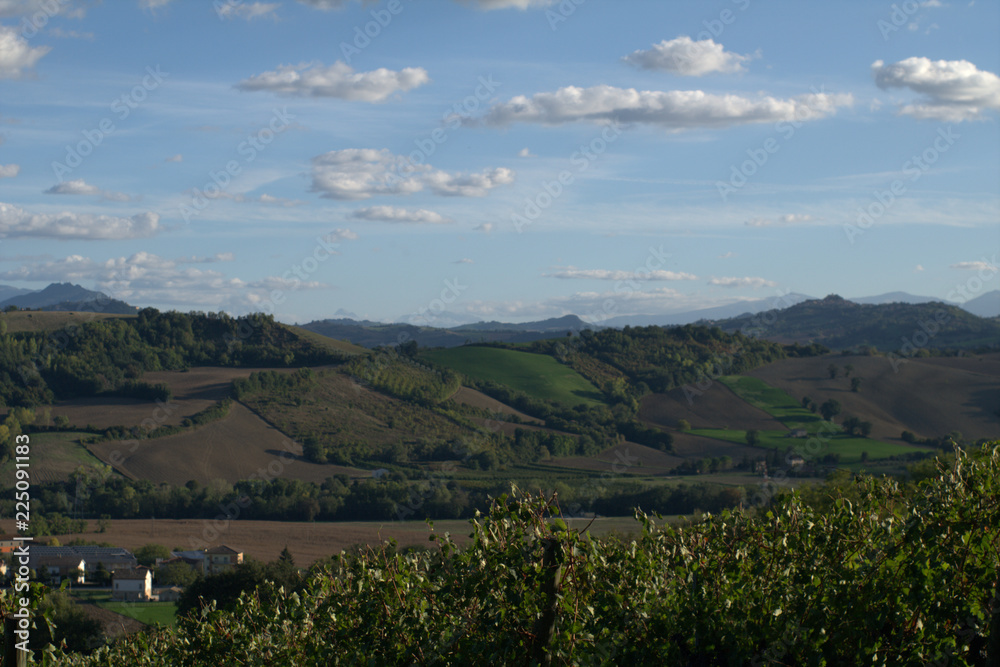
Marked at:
<point>361,173</point>
<point>18,223</point>
<point>918,269</point>
<point>81,187</point>
<point>175,158</point>
<point>525,152</point>
<point>486,227</point>
<point>464,260</point>
<point>153,4</point>
<point>337,80</point>
<point>16,56</point>
<point>573,273</point>
<point>9,170</point>
<point>484,5</point>
<point>982,265</point>
<point>266,199</point>
<point>727,255</point>
<point>248,11</point>
<point>146,278</point>
<point>755,283</point>
<point>325,5</point>
<point>44,8</point>
<point>489,5</point>
<point>71,34</point>
<point>687,57</point>
<point>393,214</point>
<point>674,110</point>
<point>787,219</point>
<point>339,234</point>
<point>952,90</point>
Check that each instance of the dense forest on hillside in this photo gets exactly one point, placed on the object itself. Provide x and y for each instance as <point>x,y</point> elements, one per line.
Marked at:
<point>102,356</point>
<point>878,572</point>
<point>659,358</point>
<point>894,327</point>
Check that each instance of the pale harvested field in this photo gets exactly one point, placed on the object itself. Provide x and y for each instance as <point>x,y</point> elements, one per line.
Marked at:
<point>477,399</point>
<point>630,457</point>
<point>930,397</point>
<point>234,448</point>
<point>193,391</point>
<point>716,407</point>
<point>308,542</point>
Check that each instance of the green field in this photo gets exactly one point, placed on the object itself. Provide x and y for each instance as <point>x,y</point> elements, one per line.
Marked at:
<point>789,412</point>
<point>150,613</point>
<point>54,456</point>
<point>537,375</point>
<point>773,401</point>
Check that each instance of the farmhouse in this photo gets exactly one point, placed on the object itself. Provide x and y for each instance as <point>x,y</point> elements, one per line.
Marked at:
<point>8,544</point>
<point>57,568</point>
<point>221,558</point>
<point>132,584</point>
<point>113,558</point>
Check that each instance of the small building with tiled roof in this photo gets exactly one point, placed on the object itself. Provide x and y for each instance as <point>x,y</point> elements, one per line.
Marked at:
<point>132,584</point>
<point>222,558</point>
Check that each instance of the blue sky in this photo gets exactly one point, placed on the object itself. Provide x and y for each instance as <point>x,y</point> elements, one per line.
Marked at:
<point>497,159</point>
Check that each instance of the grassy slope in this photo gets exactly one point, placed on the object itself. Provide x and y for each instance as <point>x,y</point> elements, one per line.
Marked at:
<point>150,613</point>
<point>534,374</point>
<point>54,456</point>
<point>326,342</point>
<point>784,408</point>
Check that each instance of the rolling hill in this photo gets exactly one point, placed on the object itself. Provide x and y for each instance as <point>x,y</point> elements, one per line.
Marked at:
<point>841,324</point>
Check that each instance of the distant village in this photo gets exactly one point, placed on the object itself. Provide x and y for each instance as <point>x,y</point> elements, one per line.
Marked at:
<point>115,567</point>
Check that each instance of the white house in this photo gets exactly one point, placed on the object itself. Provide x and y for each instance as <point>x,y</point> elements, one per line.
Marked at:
<point>132,584</point>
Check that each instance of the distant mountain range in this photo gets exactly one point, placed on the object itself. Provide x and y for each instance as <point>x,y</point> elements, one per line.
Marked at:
<point>841,324</point>
<point>882,320</point>
<point>62,296</point>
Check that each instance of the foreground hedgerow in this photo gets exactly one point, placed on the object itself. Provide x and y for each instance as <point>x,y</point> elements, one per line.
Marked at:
<point>895,578</point>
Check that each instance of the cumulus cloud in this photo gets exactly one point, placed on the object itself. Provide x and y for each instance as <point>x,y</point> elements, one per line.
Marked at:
<point>952,90</point>
<point>81,187</point>
<point>981,265</point>
<point>687,57</point>
<point>393,214</point>
<point>339,234</point>
<point>325,5</point>
<point>248,11</point>
<point>572,273</point>
<point>16,56</point>
<point>787,219</point>
<point>673,110</point>
<point>9,170</point>
<point>337,80</point>
<point>18,223</point>
<point>154,4</point>
<point>175,158</point>
<point>485,228</point>
<point>755,283</point>
<point>525,152</point>
<point>727,255</point>
<point>361,173</point>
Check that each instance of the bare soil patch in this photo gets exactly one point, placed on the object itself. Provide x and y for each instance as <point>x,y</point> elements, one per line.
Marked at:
<point>477,399</point>
<point>237,447</point>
